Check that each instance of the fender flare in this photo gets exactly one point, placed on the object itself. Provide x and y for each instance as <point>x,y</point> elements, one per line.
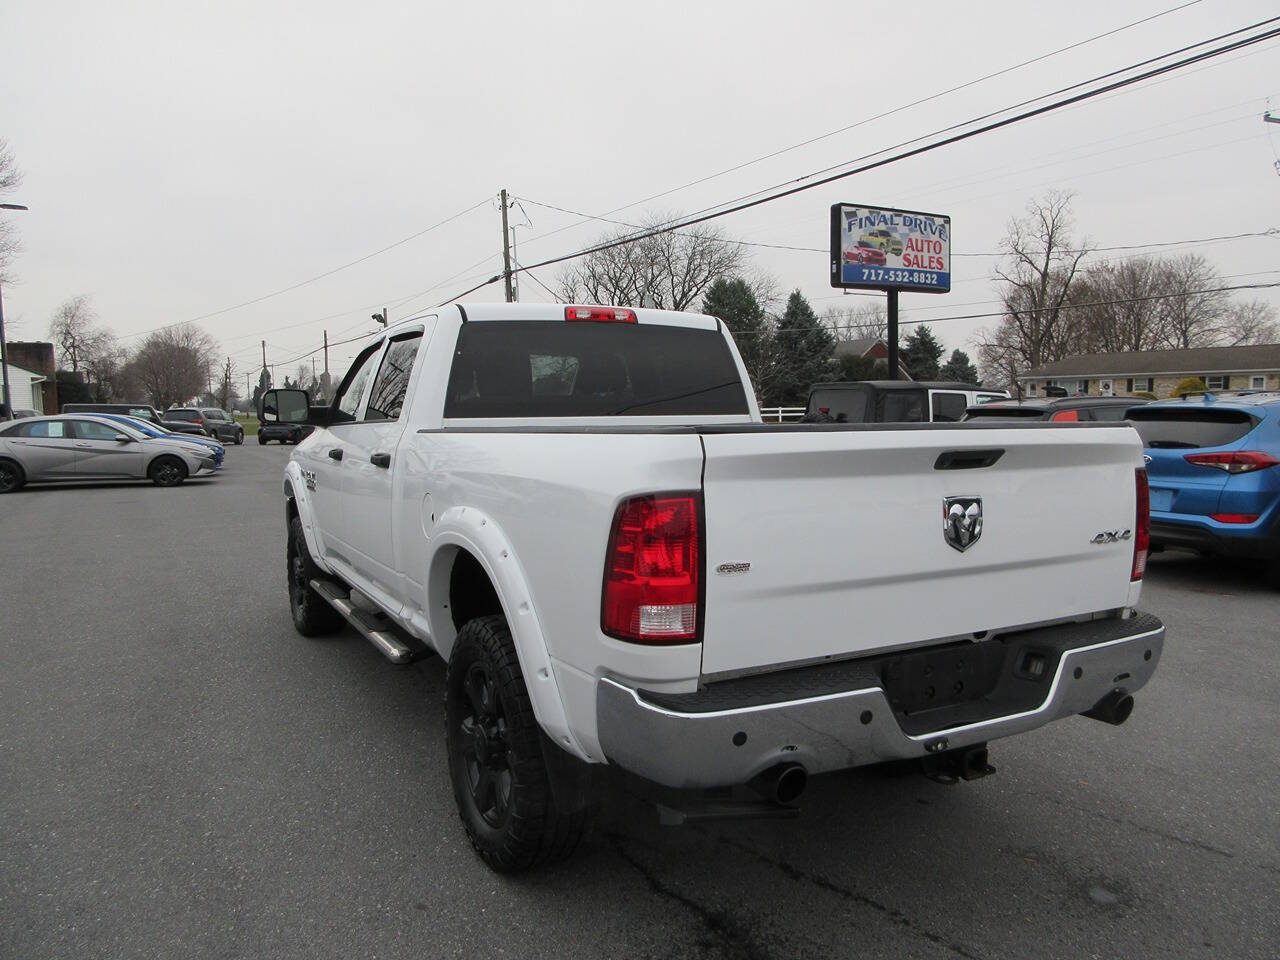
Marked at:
<point>295,490</point>
<point>472,530</point>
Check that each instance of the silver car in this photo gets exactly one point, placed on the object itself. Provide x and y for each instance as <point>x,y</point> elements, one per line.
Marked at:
<point>86,447</point>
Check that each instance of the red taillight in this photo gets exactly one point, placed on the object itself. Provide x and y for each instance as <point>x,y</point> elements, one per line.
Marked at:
<point>652,569</point>
<point>1237,461</point>
<point>1066,416</point>
<point>1141,524</point>
<point>1234,517</point>
<point>600,314</point>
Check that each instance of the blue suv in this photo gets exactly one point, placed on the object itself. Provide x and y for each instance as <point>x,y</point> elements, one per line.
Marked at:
<point>1213,464</point>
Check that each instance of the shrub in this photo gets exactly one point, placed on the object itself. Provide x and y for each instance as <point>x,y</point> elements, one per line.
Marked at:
<point>1189,385</point>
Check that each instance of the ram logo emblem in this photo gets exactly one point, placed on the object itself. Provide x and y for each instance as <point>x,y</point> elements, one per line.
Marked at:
<point>961,521</point>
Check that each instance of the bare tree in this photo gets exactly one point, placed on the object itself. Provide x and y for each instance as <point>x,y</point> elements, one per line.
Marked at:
<point>669,270</point>
<point>1194,310</point>
<point>1118,306</point>
<point>1042,263</point>
<point>867,320</point>
<point>172,365</point>
<point>75,330</point>
<point>10,180</point>
<point>1253,321</point>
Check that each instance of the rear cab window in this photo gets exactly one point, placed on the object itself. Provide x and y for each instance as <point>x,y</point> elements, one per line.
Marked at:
<point>534,368</point>
<point>1175,427</point>
<point>843,405</point>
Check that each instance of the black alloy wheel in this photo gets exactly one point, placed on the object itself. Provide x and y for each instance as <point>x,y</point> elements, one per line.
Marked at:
<point>497,759</point>
<point>312,614</point>
<point>11,477</point>
<point>168,472</point>
<point>485,749</point>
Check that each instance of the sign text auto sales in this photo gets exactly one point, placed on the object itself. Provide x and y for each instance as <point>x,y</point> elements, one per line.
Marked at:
<point>884,249</point>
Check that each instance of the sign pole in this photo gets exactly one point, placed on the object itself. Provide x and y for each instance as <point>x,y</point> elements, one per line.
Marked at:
<point>893,333</point>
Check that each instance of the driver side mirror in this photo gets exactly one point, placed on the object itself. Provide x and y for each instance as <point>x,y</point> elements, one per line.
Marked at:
<point>290,406</point>
<point>121,438</point>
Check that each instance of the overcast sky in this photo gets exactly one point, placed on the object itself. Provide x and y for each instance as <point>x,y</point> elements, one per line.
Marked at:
<point>183,158</point>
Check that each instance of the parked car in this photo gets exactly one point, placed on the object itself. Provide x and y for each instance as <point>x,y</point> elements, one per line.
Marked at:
<point>89,447</point>
<point>864,252</point>
<point>216,422</point>
<point>1214,464</point>
<point>155,431</point>
<point>894,401</point>
<point>580,510</point>
<point>885,239</point>
<point>143,411</point>
<point>1059,410</point>
<point>284,432</point>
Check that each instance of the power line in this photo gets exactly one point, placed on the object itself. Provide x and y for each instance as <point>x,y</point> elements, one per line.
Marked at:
<point>928,147</point>
<point>319,276</point>
<point>1065,306</point>
<point>880,116</point>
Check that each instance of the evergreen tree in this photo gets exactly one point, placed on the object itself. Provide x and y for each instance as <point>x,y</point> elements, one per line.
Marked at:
<point>921,353</point>
<point>959,368</point>
<point>804,348</point>
<point>734,303</point>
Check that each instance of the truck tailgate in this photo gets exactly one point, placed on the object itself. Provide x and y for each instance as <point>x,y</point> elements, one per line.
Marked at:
<point>844,535</point>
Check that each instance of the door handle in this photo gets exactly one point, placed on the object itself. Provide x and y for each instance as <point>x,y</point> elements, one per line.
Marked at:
<point>83,443</point>
<point>335,453</point>
<point>381,460</point>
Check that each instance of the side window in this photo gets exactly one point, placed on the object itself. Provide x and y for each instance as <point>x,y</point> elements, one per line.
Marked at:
<point>351,394</point>
<point>948,407</point>
<point>92,430</point>
<point>44,429</point>
<point>386,399</point>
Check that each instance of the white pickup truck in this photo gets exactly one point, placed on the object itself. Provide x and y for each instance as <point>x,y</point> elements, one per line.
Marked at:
<point>580,511</point>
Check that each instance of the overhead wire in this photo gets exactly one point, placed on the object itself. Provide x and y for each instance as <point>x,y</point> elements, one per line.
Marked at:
<point>720,210</point>
<point>887,113</point>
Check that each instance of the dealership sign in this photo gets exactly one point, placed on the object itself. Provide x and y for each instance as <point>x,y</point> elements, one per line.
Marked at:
<point>881,249</point>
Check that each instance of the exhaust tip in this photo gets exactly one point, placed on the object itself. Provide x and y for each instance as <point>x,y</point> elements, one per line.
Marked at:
<point>1114,708</point>
<point>791,783</point>
<point>783,783</point>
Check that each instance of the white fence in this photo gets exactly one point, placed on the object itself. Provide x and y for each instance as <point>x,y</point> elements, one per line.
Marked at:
<point>781,414</point>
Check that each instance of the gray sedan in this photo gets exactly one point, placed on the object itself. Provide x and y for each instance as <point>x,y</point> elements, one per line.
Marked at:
<point>85,447</point>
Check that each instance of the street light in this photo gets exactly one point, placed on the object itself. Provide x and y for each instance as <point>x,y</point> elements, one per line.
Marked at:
<point>4,355</point>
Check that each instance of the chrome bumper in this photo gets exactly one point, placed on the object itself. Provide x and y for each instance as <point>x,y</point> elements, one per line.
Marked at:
<point>850,728</point>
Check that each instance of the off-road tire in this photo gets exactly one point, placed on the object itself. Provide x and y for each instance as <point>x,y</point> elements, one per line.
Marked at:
<point>12,477</point>
<point>312,615</point>
<point>167,471</point>
<point>239,437</point>
<point>528,830</point>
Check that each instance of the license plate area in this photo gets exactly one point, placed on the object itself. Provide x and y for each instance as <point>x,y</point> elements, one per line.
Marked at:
<point>1161,500</point>
<point>941,677</point>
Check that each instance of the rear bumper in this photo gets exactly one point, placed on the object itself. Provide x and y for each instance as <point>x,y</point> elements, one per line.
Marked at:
<point>1254,545</point>
<point>724,735</point>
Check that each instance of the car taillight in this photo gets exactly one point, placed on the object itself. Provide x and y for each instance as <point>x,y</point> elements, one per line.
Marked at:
<point>652,571</point>
<point>600,314</point>
<point>1066,416</point>
<point>1141,524</point>
<point>1237,461</point>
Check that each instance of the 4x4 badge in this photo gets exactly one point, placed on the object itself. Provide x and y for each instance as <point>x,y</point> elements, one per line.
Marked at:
<point>961,521</point>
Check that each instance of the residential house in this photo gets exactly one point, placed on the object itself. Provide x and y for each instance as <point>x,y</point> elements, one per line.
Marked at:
<point>25,388</point>
<point>872,348</point>
<point>1255,367</point>
<point>36,357</point>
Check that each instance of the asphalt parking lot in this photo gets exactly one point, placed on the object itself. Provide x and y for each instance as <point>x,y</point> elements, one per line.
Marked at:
<point>183,775</point>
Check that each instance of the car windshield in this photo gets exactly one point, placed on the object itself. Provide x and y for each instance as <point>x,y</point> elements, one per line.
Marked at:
<point>1175,427</point>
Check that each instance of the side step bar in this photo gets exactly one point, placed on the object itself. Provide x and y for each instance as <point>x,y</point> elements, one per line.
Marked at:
<point>370,626</point>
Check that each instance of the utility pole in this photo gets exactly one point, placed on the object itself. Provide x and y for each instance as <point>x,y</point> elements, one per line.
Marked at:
<point>506,251</point>
<point>264,354</point>
<point>4,365</point>
<point>326,353</point>
<point>893,335</point>
<point>4,355</point>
